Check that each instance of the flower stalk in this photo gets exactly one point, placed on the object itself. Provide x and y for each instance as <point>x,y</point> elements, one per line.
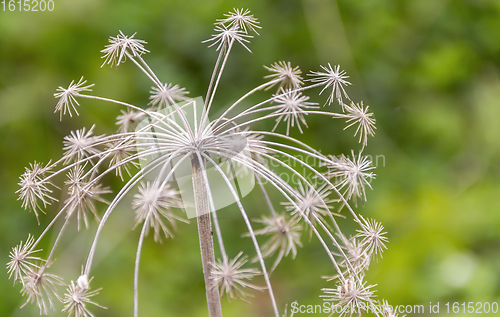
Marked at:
<point>201,202</point>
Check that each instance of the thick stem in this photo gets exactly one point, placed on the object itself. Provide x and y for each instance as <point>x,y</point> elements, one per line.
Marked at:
<point>206,240</point>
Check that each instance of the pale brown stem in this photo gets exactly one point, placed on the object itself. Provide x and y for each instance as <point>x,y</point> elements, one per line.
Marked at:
<point>202,206</point>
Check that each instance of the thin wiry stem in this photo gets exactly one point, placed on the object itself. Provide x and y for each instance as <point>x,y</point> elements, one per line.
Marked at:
<point>206,110</point>
<point>266,196</point>
<point>136,269</point>
<point>283,187</point>
<point>146,112</point>
<point>125,189</point>
<point>252,234</point>
<point>215,218</point>
<point>341,197</point>
<point>58,238</point>
<point>156,80</point>
<point>49,226</point>
<point>223,115</point>
<point>153,79</point>
<point>252,108</point>
<point>210,85</point>
<point>157,115</point>
<point>219,234</point>
<point>272,115</point>
<point>350,267</point>
<point>310,152</point>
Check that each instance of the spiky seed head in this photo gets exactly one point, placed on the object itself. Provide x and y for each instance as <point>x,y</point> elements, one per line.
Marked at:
<point>372,236</point>
<point>358,114</point>
<point>67,97</point>
<point>77,296</point>
<point>284,235</point>
<point>83,195</point>
<point>22,260</point>
<point>288,76</point>
<point>387,310</point>
<point>154,202</point>
<point>352,296</point>
<point>128,119</point>
<point>35,188</point>
<point>226,36</point>
<point>310,203</point>
<point>40,288</point>
<point>167,94</point>
<point>240,19</point>
<point>232,278</point>
<point>332,77</point>
<point>121,47</point>
<point>121,155</point>
<point>358,258</point>
<point>81,144</point>
<point>181,140</point>
<point>292,106</point>
<point>352,175</point>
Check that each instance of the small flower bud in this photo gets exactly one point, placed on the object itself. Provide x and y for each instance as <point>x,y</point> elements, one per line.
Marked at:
<point>82,282</point>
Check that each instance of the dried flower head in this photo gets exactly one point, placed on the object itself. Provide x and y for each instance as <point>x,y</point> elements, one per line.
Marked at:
<point>22,260</point>
<point>372,236</point>
<point>40,288</point>
<point>67,96</point>
<point>387,310</point>
<point>357,114</point>
<point>232,278</point>
<point>167,94</point>
<point>121,47</point>
<point>182,149</point>
<point>291,106</point>
<point>332,77</point>
<point>311,203</point>
<point>352,296</point>
<point>81,144</point>
<point>122,157</point>
<point>128,120</point>
<point>77,296</point>
<point>82,195</point>
<point>35,187</point>
<point>358,260</point>
<point>287,76</point>
<point>153,202</point>
<point>227,36</point>
<point>351,174</point>
<point>284,236</point>
<point>240,19</point>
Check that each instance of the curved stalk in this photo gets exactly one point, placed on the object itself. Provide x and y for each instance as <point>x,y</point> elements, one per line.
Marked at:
<point>136,269</point>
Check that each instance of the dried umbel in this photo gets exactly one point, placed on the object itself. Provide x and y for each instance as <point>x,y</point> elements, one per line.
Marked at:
<point>177,130</point>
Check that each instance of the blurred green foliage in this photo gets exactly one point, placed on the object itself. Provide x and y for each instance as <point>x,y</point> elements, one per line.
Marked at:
<point>428,69</point>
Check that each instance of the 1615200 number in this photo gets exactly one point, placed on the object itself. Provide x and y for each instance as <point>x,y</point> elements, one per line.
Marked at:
<point>472,307</point>
<point>27,5</point>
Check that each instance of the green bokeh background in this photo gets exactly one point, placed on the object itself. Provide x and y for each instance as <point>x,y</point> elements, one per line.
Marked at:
<point>428,69</point>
